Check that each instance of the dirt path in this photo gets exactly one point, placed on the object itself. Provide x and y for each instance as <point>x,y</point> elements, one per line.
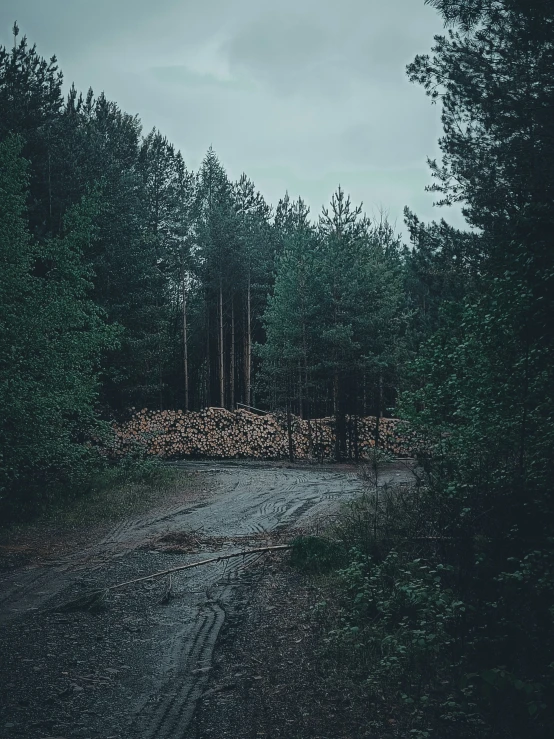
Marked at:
<point>139,668</point>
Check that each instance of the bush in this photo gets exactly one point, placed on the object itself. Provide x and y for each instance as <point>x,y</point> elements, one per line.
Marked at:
<point>316,554</point>
<point>423,623</point>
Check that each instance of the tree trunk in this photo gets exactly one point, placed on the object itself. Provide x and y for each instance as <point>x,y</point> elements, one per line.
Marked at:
<point>243,380</point>
<point>220,352</point>
<point>300,399</point>
<point>377,430</point>
<point>49,179</point>
<point>208,358</point>
<point>160,378</point>
<point>356,440</point>
<point>248,358</point>
<point>338,420</point>
<point>185,342</point>
<point>232,361</point>
<point>379,413</point>
<point>307,393</point>
<point>289,433</point>
<point>160,365</point>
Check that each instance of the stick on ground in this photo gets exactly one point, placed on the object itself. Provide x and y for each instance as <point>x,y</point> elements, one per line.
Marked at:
<point>85,602</point>
<point>198,564</point>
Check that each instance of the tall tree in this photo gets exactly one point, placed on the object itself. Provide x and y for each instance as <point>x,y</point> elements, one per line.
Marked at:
<point>494,78</point>
<point>216,237</point>
<point>489,380</point>
<point>291,313</point>
<point>334,319</point>
<point>168,196</point>
<point>30,104</point>
<point>359,306</point>
<point>52,336</point>
<point>255,262</point>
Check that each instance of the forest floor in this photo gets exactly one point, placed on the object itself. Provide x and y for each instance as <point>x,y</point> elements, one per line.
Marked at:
<point>227,649</point>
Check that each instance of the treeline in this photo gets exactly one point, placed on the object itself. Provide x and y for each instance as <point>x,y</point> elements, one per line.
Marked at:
<point>450,600</point>
<point>130,281</point>
<point>172,254</point>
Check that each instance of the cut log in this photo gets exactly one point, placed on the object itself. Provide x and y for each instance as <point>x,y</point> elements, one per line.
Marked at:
<point>219,433</point>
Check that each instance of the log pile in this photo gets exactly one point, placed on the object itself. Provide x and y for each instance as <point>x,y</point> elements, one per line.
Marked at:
<point>219,433</point>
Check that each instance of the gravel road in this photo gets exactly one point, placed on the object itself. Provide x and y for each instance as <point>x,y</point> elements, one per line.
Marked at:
<point>138,668</point>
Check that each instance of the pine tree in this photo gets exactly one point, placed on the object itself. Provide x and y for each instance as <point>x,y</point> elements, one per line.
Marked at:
<point>254,273</point>
<point>52,336</point>
<point>291,314</point>
<point>31,101</point>
<point>334,321</point>
<point>487,387</point>
<point>216,233</point>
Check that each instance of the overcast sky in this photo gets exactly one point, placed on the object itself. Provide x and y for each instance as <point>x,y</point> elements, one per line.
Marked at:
<point>301,95</point>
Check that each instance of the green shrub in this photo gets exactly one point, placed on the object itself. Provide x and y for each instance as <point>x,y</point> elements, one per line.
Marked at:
<point>316,554</point>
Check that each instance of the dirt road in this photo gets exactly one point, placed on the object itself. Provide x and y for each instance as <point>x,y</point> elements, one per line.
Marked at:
<point>138,668</point>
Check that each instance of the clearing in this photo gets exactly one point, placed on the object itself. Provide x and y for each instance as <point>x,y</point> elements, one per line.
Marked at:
<point>140,667</point>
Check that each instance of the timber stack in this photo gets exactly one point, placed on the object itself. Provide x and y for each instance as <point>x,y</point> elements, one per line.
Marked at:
<point>221,434</point>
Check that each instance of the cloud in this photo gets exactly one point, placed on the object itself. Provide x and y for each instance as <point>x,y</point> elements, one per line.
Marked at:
<point>299,95</point>
<point>180,75</point>
<point>328,53</point>
<point>387,139</point>
<point>285,51</point>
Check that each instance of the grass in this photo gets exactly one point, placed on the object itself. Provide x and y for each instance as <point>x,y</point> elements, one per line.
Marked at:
<point>107,497</point>
<point>120,492</point>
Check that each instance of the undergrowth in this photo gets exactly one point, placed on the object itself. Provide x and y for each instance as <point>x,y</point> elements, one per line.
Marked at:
<point>126,488</point>
<point>108,494</point>
<point>436,648</point>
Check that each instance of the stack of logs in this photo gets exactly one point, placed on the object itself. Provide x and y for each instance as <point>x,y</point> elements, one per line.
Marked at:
<point>219,433</point>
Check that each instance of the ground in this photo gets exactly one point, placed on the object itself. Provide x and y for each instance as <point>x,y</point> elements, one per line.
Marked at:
<point>271,677</point>
<point>226,649</point>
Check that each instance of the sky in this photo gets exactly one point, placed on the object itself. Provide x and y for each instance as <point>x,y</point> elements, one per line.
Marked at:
<point>302,95</point>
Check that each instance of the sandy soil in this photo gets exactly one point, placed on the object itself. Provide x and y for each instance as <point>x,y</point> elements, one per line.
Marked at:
<point>143,665</point>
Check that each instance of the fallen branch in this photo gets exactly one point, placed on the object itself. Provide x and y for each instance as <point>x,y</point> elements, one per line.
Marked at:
<point>198,564</point>
<point>93,599</point>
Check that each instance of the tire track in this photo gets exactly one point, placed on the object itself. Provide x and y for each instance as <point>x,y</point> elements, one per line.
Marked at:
<point>182,690</point>
<point>174,712</point>
<point>247,500</point>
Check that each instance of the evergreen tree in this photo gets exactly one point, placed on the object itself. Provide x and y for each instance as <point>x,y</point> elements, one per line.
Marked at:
<point>52,336</point>
<point>291,313</point>
<point>255,265</point>
<point>31,101</point>
<point>168,195</point>
<point>497,158</point>
<point>359,319</point>
<point>441,267</point>
<point>334,321</point>
<point>488,382</point>
<point>216,233</point>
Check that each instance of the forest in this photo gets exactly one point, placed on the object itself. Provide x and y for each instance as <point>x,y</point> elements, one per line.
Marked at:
<point>129,281</point>
<point>132,282</point>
